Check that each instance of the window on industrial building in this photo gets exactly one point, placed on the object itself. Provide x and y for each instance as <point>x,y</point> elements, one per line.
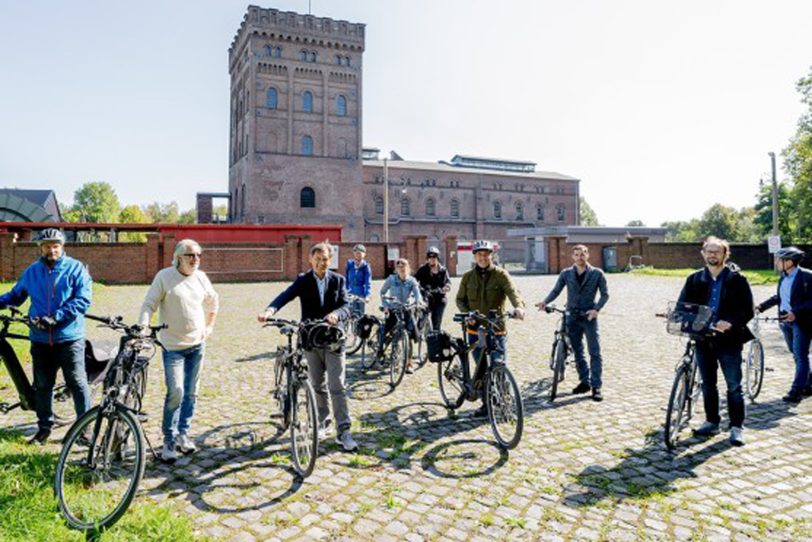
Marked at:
<point>405,207</point>
<point>455,208</point>
<point>378,205</point>
<point>271,98</point>
<point>307,101</point>
<point>303,55</point>
<point>430,211</point>
<point>341,105</point>
<point>540,213</point>
<point>338,60</point>
<point>519,211</point>
<point>307,198</point>
<point>346,61</point>
<point>562,212</point>
<point>307,145</point>
<point>497,210</point>
<point>313,56</point>
<point>277,52</point>
<point>268,50</point>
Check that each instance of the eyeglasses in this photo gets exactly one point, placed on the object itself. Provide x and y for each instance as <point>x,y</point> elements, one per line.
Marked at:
<point>193,255</point>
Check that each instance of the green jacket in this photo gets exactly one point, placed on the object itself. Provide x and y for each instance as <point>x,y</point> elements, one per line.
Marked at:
<point>485,291</point>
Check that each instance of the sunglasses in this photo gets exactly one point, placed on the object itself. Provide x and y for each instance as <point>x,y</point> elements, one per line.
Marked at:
<point>193,255</point>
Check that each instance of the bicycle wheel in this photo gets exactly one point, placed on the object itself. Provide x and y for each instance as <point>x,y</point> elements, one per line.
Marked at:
<point>558,362</point>
<point>451,381</point>
<point>63,408</point>
<point>96,481</point>
<point>352,340</point>
<point>304,429</point>
<point>677,414</point>
<point>755,369</point>
<point>505,408</point>
<point>280,392</point>
<point>422,346</point>
<point>398,357</point>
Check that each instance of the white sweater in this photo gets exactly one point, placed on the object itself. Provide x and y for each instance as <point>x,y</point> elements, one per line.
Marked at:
<point>184,302</point>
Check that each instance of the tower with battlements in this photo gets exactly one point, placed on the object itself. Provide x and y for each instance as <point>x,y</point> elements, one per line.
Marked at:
<point>295,130</point>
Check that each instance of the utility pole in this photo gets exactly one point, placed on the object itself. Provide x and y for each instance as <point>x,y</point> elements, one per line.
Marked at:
<point>386,203</point>
<point>775,195</point>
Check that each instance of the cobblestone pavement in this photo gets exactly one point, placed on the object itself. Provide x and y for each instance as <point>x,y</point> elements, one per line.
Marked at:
<point>583,470</point>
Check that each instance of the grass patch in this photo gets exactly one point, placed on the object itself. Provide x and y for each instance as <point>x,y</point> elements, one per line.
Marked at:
<point>28,508</point>
<point>754,276</point>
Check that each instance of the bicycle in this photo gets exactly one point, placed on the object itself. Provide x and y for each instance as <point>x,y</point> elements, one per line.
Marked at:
<point>754,370</point>
<point>502,398</point>
<point>293,391</point>
<point>96,360</point>
<point>103,456</point>
<point>694,322</point>
<point>353,340</point>
<point>423,324</point>
<point>395,346</point>
<point>561,353</point>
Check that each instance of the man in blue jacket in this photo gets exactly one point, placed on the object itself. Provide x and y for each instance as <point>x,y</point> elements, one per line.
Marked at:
<point>323,296</point>
<point>794,300</point>
<point>359,279</point>
<point>60,290</point>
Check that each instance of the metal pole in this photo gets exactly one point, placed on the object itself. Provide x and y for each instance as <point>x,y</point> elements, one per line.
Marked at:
<point>386,203</point>
<point>775,195</point>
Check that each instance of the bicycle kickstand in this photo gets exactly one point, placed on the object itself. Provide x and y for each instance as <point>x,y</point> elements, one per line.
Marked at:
<point>151,449</point>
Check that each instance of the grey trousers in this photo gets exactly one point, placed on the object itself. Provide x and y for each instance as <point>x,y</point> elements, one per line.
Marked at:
<point>319,362</point>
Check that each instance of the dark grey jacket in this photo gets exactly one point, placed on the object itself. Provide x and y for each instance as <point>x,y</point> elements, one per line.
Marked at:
<point>581,297</point>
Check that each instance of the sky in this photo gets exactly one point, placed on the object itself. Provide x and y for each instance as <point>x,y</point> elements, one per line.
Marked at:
<point>661,108</point>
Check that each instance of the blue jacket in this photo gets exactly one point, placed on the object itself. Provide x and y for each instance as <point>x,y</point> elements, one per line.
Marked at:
<point>63,292</point>
<point>401,290</point>
<point>359,281</point>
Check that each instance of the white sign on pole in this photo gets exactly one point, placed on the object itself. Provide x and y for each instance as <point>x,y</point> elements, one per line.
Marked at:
<point>334,258</point>
<point>774,243</point>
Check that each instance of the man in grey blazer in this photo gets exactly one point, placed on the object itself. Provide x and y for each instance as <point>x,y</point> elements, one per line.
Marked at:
<point>583,283</point>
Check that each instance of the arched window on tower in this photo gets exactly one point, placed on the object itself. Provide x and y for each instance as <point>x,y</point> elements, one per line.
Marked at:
<point>562,212</point>
<point>519,211</point>
<point>277,52</point>
<point>307,198</point>
<point>303,55</point>
<point>497,210</point>
<point>338,60</point>
<point>430,211</point>
<point>307,145</point>
<point>271,98</point>
<point>313,56</point>
<point>378,205</point>
<point>405,207</point>
<point>455,208</point>
<point>268,50</point>
<point>307,101</point>
<point>341,105</point>
<point>540,212</point>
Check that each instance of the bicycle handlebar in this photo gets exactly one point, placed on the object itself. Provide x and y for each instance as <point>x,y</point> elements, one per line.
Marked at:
<point>490,319</point>
<point>134,331</point>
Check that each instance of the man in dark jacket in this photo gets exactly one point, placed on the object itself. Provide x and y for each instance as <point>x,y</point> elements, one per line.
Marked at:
<point>433,277</point>
<point>583,283</point>
<point>721,287</point>
<point>794,300</point>
<point>60,290</point>
<point>322,295</point>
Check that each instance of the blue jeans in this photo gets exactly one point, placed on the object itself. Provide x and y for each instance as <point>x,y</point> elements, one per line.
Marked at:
<point>709,355</point>
<point>182,377</point>
<point>578,327</point>
<point>48,359</point>
<point>358,307</point>
<point>798,343</point>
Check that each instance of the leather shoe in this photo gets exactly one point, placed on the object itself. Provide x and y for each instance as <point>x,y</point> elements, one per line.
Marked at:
<point>481,412</point>
<point>597,395</point>
<point>583,387</point>
<point>792,398</point>
<point>41,437</point>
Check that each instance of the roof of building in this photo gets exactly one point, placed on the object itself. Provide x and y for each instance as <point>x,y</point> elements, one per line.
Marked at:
<point>27,204</point>
<point>586,230</point>
<point>448,168</point>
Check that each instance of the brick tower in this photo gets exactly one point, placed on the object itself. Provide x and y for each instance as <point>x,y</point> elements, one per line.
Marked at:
<point>295,131</point>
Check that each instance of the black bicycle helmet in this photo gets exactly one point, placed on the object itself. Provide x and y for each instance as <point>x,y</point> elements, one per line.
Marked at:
<point>482,244</point>
<point>324,335</point>
<point>51,235</point>
<point>790,253</point>
<point>433,251</point>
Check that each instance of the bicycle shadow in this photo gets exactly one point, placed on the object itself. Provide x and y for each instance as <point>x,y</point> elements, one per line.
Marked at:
<point>536,396</point>
<point>367,384</point>
<point>220,468</point>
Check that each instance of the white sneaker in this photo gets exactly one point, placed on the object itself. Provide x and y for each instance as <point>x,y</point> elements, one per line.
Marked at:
<point>325,429</point>
<point>168,453</point>
<point>737,436</point>
<point>347,442</point>
<point>185,444</point>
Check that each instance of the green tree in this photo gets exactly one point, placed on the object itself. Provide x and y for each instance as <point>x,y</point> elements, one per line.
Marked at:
<point>634,223</point>
<point>720,221</point>
<point>682,231</point>
<point>798,164</point>
<point>188,217</point>
<point>588,216</point>
<point>763,209</point>
<point>94,202</point>
<point>132,214</point>
<point>162,213</point>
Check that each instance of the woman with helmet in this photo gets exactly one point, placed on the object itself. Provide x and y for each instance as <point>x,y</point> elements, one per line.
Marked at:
<point>60,290</point>
<point>433,278</point>
<point>794,300</point>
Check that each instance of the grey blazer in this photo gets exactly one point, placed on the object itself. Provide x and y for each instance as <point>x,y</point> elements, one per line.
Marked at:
<point>581,297</point>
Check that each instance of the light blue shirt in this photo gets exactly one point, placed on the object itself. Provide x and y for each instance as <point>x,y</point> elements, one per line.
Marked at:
<point>322,284</point>
<point>785,290</point>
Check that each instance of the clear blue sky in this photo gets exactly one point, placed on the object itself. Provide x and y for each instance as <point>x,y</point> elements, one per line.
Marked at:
<point>661,108</point>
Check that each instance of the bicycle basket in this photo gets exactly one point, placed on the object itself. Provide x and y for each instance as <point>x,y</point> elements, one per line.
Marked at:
<point>365,325</point>
<point>688,319</point>
<point>438,345</point>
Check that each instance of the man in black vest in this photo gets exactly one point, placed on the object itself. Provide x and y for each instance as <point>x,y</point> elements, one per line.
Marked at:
<point>322,295</point>
<point>794,300</point>
<point>721,287</point>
